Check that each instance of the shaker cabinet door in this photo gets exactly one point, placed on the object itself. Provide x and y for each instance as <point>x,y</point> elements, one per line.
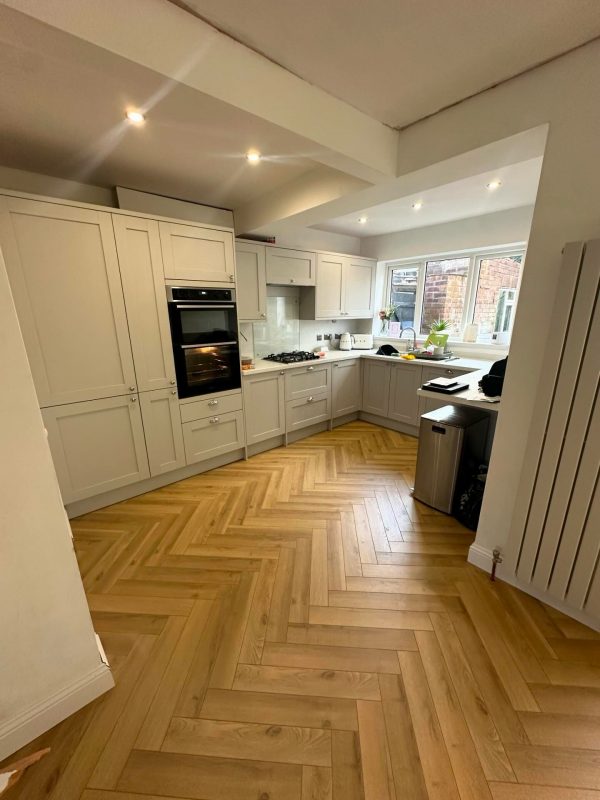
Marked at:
<point>162,430</point>
<point>359,288</point>
<point>96,446</point>
<point>376,387</point>
<point>64,275</point>
<point>329,301</point>
<point>251,282</point>
<point>138,249</point>
<point>345,387</point>
<point>290,266</point>
<point>404,400</point>
<point>264,407</point>
<point>192,253</point>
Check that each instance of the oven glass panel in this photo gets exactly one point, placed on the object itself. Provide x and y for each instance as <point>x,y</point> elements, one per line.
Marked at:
<point>207,325</point>
<point>210,369</point>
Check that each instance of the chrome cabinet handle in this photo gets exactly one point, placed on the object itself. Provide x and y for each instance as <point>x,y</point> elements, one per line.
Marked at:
<point>132,388</point>
<point>213,402</point>
<point>173,391</point>
<point>172,383</point>
<point>231,277</point>
<point>282,372</point>
<point>309,369</point>
<point>310,399</point>
<point>449,372</point>
<point>212,420</point>
<point>133,399</point>
<point>336,365</point>
<point>262,316</point>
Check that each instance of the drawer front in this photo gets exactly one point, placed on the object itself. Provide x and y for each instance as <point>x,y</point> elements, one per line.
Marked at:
<point>304,381</point>
<point>207,438</point>
<point>307,411</point>
<point>210,407</point>
<point>429,373</point>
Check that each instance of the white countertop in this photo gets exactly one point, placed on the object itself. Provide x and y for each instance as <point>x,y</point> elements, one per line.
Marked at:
<point>261,365</point>
<point>469,396</point>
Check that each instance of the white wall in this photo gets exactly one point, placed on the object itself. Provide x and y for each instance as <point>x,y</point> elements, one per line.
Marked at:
<point>487,230</point>
<point>313,239</point>
<point>19,180</point>
<point>564,94</point>
<point>49,660</point>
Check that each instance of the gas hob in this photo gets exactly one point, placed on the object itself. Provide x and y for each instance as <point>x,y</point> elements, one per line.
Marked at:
<point>292,358</point>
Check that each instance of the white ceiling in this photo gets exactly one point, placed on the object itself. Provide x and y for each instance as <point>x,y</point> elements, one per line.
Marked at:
<point>457,200</point>
<point>401,60</point>
<point>63,102</point>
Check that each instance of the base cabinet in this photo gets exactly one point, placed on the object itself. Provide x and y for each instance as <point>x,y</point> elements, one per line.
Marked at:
<point>305,381</point>
<point>346,387</point>
<point>307,411</point>
<point>405,380</point>
<point>213,436</point>
<point>97,446</point>
<point>162,430</point>
<point>264,406</point>
<point>376,387</point>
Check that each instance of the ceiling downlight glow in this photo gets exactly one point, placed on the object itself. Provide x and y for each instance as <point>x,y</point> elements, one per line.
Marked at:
<point>135,117</point>
<point>493,185</point>
<point>362,220</point>
<point>418,205</point>
<point>253,156</point>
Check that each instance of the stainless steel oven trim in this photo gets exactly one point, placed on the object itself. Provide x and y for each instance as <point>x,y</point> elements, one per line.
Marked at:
<point>228,306</point>
<point>207,344</point>
<point>170,286</point>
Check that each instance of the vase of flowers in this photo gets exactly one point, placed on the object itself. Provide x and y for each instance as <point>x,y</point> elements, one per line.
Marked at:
<point>437,337</point>
<point>385,315</point>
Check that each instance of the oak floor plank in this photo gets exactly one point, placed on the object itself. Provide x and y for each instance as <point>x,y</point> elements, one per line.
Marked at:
<point>352,559</point>
<point>281,597</point>
<point>437,770</point>
<point>316,783</point>
<point>201,778</point>
<point>376,765</point>
<point>277,709</point>
<point>326,657</point>
<point>556,766</point>
<point>335,557</point>
<point>363,534</point>
<point>300,596</point>
<point>123,604</point>
<point>522,791</point>
<point>402,586</point>
<point>393,602</point>
<point>346,766</point>
<point>369,618</point>
<point>258,742</point>
<point>256,626</point>
<point>567,699</point>
<point>318,569</point>
<point>346,636</point>
<point>404,754</point>
<point>562,730</point>
<point>323,683</point>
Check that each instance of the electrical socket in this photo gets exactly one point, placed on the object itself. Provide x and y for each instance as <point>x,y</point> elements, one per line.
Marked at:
<point>319,337</point>
<point>327,337</point>
<point>338,335</point>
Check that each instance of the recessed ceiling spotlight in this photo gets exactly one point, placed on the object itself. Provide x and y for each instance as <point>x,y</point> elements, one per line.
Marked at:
<point>135,117</point>
<point>493,185</point>
<point>362,220</point>
<point>253,156</point>
<point>418,205</point>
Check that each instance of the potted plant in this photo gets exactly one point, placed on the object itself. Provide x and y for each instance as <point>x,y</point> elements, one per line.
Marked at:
<point>437,337</point>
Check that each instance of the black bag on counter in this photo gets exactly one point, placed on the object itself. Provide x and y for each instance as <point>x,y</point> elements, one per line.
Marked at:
<point>492,383</point>
<point>386,350</point>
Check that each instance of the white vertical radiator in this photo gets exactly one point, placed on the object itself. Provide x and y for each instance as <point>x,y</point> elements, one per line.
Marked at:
<point>555,548</point>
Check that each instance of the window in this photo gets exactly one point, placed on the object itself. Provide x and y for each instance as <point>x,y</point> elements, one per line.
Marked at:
<point>478,288</point>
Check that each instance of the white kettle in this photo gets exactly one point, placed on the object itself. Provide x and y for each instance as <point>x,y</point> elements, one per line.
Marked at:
<point>346,341</point>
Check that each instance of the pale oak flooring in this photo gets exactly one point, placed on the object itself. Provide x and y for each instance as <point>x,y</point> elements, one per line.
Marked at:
<point>296,627</point>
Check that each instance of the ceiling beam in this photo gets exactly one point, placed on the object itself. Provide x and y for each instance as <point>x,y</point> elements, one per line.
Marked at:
<point>183,48</point>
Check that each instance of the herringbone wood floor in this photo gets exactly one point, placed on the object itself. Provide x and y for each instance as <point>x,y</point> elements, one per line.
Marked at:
<point>296,627</point>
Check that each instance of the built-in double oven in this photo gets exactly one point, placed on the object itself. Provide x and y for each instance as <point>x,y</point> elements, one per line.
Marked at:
<point>205,339</point>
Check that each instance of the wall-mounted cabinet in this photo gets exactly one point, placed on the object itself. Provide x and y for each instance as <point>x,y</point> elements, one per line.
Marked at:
<point>345,288</point>
<point>296,267</point>
<point>264,406</point>
<point>251,274</point>
<point>346,387</point>
<point>64,275</point>
<point>96,446</point>
<point>138,249</point>
<point>162,430</point>
<point>192,253</point>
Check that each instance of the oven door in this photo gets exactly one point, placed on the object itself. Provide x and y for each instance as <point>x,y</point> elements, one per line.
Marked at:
<point>203,369</point>
<point>203,324</point>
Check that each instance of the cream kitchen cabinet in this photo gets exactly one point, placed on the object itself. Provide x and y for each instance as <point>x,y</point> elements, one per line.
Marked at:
<point>295,267</point>
<point>376,387</point>
<point>138,250</point>
<point>345,287</point>
<point>213,436</point>
<point>264,406</point>
<point>307,411</point>
<point>405,380</point>
<point>251,281</point>
<point>193,253</point>
<point>162,430</point>
<point>96,446</point>
<point>307,380</point>
<point>345,387</point>
<point>64,274</point>
<point>427,404</point>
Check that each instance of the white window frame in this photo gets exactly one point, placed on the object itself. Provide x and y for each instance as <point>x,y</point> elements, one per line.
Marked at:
<point>475,258</point>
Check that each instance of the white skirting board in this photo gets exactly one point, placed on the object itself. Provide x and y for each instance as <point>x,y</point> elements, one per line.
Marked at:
<point>39,718</point>
<point>482,557</point>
